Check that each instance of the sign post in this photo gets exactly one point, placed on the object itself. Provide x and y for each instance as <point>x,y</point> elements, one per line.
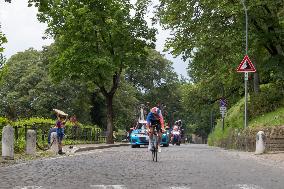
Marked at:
<point>223,110</point>
<point>246,66</point>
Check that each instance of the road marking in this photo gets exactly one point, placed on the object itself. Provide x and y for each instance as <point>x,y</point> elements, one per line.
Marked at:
<point>108,186</point>
<point>30,187</point>
<point>124,187</point>
<point>248,186</point>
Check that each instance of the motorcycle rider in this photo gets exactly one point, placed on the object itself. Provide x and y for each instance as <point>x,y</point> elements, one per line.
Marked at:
<point>175,135</point>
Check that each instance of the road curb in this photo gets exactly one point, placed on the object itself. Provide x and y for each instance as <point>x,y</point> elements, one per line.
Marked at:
<point>83,149</point>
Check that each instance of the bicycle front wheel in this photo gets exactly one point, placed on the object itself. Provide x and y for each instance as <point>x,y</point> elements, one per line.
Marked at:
<point>155,149</point>
<point>154,154</point>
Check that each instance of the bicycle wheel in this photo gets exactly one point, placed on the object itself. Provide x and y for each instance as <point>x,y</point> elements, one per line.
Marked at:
<point>153,154</point>
<point>155,149</point>
<point>156,153</point>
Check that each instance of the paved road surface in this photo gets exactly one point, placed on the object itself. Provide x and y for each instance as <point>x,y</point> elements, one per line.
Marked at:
<point>179,167</point>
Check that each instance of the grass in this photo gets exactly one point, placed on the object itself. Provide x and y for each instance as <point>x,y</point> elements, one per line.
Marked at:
<point>235,120</point>
<point>235,115</point>
<point>271,119</point>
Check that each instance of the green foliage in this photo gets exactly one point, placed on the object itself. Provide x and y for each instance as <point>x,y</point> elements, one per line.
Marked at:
<point>125,103</point>
<point>3,40</point>
<point>218,136</point>
<point>235,116</point>
<point>26,89</point>
<point>234,120</point>
<point>3,121</point>
<point>211,34</point>
<point>33,121</point>
<point>217,25</point>
<point>97,39</point>
<point>20,144</point>
<point>267,100</point>
<point>156,68</point>
<point>272,70</point>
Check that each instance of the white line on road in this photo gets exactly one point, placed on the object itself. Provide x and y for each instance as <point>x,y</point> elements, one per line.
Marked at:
<point>108,186</point>
<point>124,187</point>
<point>30,187</point>
<point>248,186</point>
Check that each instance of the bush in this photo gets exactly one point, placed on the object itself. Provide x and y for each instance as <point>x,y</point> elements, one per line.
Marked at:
<point>3,121</point>
<point>268,100</point>
<point>42,126</point>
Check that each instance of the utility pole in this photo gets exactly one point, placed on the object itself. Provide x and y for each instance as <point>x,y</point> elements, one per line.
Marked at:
<point>246,73</point>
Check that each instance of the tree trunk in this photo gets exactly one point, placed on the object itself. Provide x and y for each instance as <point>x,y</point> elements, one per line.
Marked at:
<point>109,139</point>
<point>256,87</point>
<point>256,82</point>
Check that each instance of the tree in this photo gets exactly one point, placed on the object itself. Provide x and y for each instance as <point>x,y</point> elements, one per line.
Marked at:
<point>199,23</point>
<point>156,81</point>
<point>26,90</point>
<point>96,41</point>
<point>211,34</point>
<point>156,69</point>
<point>126,102</point>
<point>3,40</point>
<point>214,31</point>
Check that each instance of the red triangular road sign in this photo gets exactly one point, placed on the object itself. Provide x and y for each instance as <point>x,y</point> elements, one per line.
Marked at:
<point>246,65</point>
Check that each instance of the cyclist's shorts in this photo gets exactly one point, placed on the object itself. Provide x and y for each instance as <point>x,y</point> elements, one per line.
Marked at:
<point>157,125</point>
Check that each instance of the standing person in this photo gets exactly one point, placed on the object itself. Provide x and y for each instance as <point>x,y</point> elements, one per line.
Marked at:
<point>60,124</point>
<point>155,117</point>
<point>51,130</point>
<point>75,126</point>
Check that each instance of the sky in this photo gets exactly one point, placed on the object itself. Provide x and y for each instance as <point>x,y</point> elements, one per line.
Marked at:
<point>22,29</point>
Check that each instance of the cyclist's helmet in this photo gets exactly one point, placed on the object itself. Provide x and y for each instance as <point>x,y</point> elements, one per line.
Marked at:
<point>155,110</point>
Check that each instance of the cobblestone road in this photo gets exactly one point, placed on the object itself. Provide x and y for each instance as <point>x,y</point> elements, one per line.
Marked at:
<point>179,167</point>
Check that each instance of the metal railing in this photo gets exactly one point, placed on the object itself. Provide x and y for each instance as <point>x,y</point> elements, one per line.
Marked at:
<point>73,135</point>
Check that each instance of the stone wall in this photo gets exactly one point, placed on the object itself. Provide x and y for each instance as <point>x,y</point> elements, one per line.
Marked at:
<point>275,139</point>
<point>245,140</point>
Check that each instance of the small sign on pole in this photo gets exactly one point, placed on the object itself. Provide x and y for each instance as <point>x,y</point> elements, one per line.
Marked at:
<point>223,107</point>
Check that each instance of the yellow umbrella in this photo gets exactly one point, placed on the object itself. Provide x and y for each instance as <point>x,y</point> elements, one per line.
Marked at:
<point>60,112</point>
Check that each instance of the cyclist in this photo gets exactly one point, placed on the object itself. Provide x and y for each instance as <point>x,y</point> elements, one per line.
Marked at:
<point>155,117</point>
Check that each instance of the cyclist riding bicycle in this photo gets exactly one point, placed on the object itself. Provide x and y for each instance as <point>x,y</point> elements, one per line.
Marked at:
<point>155,117</point>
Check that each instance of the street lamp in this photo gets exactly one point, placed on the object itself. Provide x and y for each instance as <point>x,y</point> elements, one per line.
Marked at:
<point>246,73</point>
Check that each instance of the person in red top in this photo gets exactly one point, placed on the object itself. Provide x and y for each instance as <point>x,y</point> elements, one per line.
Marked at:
<point>155,117</point>
<point>60,125</point>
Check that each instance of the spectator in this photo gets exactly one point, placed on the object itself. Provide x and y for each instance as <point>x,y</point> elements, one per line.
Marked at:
<point>60,125</point>
<point>75,127</point>
<point>49,134</point>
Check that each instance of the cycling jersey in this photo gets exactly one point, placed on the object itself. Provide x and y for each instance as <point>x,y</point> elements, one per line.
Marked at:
<point>152,118</point>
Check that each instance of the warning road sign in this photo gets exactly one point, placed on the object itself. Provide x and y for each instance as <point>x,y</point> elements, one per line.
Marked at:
<point>246,65</point>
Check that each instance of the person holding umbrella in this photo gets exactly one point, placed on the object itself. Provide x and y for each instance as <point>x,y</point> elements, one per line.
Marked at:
<point>60,124</point>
